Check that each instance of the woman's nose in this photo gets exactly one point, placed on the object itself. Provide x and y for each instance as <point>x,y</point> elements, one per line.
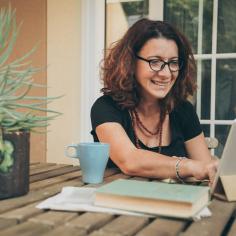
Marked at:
<point>165,71</point>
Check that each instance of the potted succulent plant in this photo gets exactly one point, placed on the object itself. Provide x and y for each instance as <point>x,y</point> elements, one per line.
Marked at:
<point>20,112</point>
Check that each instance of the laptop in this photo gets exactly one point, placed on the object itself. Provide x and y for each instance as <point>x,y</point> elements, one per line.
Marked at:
<point>224,183</point>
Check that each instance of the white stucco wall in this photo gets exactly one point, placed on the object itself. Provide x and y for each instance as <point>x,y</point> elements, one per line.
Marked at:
<point>63,59</point>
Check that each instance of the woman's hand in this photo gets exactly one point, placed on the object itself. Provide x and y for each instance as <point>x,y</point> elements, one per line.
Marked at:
<point>203,170</point>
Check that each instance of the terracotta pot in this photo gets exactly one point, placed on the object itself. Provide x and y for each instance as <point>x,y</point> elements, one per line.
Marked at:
<point>15,181</point>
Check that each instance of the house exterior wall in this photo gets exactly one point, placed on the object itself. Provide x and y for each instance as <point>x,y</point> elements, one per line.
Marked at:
<point>63,56</point>
<point>33,31</point>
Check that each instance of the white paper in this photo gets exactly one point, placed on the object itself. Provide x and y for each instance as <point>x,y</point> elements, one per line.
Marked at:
<point>82,199</point>
<point>205,212</point>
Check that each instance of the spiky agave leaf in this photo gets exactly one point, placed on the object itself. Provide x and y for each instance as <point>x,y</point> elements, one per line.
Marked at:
<point>18,109</point>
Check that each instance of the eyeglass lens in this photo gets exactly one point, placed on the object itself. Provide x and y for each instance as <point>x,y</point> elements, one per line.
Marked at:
<point>158,64</point>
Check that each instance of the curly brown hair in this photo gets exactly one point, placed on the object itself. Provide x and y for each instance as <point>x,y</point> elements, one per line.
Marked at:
<point>118,69</point>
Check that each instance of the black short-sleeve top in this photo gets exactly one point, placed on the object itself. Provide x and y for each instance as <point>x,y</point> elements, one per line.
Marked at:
<point>184,124</point>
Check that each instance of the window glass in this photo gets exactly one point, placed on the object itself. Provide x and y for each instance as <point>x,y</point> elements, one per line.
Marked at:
<point>135,10</point>
<point>226,89</point>
<point>205,89</point>
<point>184,15</point>
<point>206,130</point>
<point>221,133</point>
<point>226,26</point>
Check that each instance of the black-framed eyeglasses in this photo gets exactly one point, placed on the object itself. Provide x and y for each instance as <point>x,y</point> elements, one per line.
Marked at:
<point>158,64</point>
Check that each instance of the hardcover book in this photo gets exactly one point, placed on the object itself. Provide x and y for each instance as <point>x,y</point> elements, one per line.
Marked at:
<point>174,200</point>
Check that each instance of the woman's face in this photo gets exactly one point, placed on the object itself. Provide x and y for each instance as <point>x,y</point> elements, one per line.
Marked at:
<point>156,85</point>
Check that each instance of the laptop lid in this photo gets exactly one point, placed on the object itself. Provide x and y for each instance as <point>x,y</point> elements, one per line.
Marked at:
<point>227,165</point>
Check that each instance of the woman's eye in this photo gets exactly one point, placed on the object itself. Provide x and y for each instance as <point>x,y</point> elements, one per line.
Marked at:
<point>156,62</point>
<point>174,62</point>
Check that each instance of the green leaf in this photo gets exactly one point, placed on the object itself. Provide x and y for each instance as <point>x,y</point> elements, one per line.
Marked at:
<point>18,110</point>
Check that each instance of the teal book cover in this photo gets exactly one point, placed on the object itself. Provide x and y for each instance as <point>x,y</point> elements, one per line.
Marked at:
<point>154,190</point>
<point>158,198</point>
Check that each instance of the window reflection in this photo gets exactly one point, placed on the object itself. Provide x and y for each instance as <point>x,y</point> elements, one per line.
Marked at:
<point>221,133</point>
<point>226,26</point>
<point>206,130</point>
<point>205,89</point>
<point>226,89</point>
<point>185,16</point>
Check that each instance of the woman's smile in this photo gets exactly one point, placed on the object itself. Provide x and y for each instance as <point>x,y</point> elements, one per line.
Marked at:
<point>161,84</point>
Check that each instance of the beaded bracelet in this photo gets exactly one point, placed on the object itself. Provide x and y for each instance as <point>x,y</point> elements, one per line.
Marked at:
<point>177,169</point>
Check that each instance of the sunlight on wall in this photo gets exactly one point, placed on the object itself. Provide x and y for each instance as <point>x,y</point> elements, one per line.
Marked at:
<point>63,75</point>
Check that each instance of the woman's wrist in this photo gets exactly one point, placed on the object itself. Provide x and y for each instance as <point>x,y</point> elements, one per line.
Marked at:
<point>183,168</point>
<point>177,169</point>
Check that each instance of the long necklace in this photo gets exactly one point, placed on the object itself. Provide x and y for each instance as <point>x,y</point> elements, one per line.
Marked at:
<point>136,119</point>
<point>142,127</point>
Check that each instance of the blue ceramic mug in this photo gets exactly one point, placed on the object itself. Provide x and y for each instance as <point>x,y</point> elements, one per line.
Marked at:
<point>93,159</point>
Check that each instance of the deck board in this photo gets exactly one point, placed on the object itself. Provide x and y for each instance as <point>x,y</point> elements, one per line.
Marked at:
<point>26,229</point>
<point>53,218</point>
<point>54,180</point>
<point>46,168</point>
<point>214,225</point>
<point>162,227</point>
<point>53,173</point>
<point>88,221</point>
<point>5,223</point>
<point>22,213</point>
<point>125,225</point>
<point>232,230</point>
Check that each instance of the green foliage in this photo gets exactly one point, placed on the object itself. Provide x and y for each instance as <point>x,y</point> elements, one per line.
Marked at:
<point>19,110</point>
<point>135,8</point>
<point>6,151</point>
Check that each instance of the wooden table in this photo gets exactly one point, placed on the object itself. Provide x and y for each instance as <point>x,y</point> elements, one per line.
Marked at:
<point>18,216</point>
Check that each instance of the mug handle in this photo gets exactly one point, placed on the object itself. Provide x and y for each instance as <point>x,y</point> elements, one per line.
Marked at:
<point>71,146</point>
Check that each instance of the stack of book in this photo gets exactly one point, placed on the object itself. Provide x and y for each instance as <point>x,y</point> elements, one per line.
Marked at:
<point>158,198</point>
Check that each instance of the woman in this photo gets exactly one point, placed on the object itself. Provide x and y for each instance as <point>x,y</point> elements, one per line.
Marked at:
<point>144,114</point>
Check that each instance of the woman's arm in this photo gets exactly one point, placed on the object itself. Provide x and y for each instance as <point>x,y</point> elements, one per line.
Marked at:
<point>197,149</point>
<point>138,162</point>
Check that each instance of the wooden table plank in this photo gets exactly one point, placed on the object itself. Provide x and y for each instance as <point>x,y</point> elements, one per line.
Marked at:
<point>23,213</point>
<point>110,178</point>
<point>4,223</point>
<point>58,179</point>
<point>65,231</point>
<point>46,169</point>
<point>232,231</point>
<point>53,173</point>
<point>102,233</point>
<point>53,218</point>
<point>26,229</point>
<point>162,226</point>
<point>89,221</point>
<point>34,163</point>
<point>125,225</point>
<point>41,165</point>
<point>214,225</point>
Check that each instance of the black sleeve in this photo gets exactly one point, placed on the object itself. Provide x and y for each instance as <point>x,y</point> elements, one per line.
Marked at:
<point>105,110</point>
<point>188,120</point>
